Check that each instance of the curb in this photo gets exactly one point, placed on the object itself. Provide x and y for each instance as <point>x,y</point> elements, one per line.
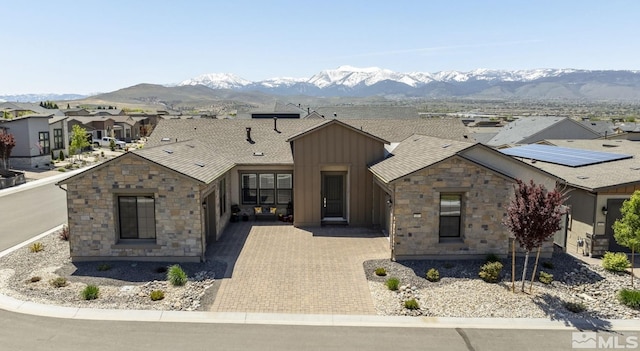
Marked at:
<point>11,304</point>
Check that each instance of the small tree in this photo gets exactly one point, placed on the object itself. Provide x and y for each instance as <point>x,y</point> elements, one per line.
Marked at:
<point>78,139</point>
<point>626,230</point>
<point>533,216</point>
<point>7,143</point>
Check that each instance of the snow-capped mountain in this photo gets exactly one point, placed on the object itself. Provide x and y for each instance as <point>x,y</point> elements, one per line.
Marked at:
<point>354,81</point>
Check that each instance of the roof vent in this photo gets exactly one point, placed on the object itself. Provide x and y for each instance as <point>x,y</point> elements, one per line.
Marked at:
<point>275,124</point>
<point>582,177</point>
<point>248,129</point>
<point>168,151</point>
<point>199,164</point>
<point>165,139</point>
<point>635,168</point>
<point>258,154</point>
<point>446,146</point>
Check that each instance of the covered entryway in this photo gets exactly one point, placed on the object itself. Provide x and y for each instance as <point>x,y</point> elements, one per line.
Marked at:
<point>613,213</point>
<point>334,196</point>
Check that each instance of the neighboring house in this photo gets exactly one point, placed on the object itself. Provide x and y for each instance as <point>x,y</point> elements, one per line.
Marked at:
<point>595,191</point>
<point>529,130</point>
<point>97,126</point>
<point>59,134</point>
<point>123,127</point>
<point>603,128</point>
<point>33,141</point>
<point>412,178</point>
<point>367,111</point>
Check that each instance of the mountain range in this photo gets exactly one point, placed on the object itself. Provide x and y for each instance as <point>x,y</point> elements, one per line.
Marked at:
<point>479,83</point>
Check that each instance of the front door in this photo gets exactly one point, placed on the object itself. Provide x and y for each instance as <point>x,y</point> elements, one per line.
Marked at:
<point>333,195</point>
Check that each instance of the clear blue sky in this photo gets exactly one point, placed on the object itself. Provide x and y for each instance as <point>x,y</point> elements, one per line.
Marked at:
<point>98,46</point>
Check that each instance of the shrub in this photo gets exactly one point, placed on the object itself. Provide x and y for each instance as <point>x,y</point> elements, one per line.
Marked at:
<point>90,292</point>
<point>615,262</point>
<point>411,304</point>
<point>490,272</point>
<point>59,282</point>
<point>35,279</point>
<point>112,145</point>
<point>102,153</point>
<point>392,283</point>
<point>547,265</point>
<point>433,275</point>
<point>104,267</point>
<point>36,247</point>
<point>176,276</point>
<point>575,307</point>
<point>64,234</point>
<point>492,258</point>
<point>62,169</point>
<point>545,277</point>
<point>156,295</point>
<point>61,156</point>
<point>381,272</point>
<point>630,298</point>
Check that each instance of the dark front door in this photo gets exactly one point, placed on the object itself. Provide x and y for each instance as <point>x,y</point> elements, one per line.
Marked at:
<point>333,195</point>
<point>613,213</point>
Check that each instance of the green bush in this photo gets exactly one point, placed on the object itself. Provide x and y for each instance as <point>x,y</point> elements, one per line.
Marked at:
<point>156,295</point>
<point>104,267</point>
<point>433,275</point>
<point>59,282</point>
<point>547,265</point>
<point>545,277</point>
<point>381,272</point>
<point>490,272</point>
<point>176,276</point>
<point>615,262</point>
<point>575,307</point>
<point>492,258</point>
<point>90,292</point>
<point>630,298</point>
<point>36,247</point>
<point>62,169</point>
<point>393,283</point>
<point>411,304</point>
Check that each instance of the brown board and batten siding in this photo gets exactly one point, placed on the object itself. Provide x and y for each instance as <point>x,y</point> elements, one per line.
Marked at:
<point>334,147</point>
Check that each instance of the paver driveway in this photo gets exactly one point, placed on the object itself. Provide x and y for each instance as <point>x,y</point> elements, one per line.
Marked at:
<point>283,269</point>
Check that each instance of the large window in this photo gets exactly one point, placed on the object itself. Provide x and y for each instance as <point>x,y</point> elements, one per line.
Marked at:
<point>266,188</point>
<point>43,142</point>
<point>58,142</point>
<point>450,215</point>
<point>137,217</point>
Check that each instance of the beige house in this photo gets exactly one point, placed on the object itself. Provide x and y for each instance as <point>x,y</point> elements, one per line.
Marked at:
<point>419,180</point>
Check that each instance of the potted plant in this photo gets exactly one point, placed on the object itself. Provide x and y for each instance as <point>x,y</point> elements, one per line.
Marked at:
<point>235,210</point>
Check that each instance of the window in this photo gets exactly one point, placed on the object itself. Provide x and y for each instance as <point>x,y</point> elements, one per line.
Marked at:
<point>222,189</point>
<point>450,215</point>
<point>266,188</point>
<point>43,143</point>
<point>58,143</point>
<point>137,217</point>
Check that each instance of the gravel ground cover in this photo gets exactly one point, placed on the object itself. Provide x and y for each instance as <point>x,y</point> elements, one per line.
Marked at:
<point>27,276</point>
<point>461,293</point>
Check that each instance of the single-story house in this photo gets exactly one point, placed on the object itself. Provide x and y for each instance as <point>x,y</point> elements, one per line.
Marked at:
<point>418,180</point>
<point>596,188</point>
<point>529,130</point>
<point>33,141</point>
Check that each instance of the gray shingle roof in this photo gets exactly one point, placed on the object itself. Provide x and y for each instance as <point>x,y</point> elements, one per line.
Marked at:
<point>518,130</point>
<point>191,158</point>
<point>601,127</point>
<point>415,153</point>
<point>366,111</point>
<point>601,175</point>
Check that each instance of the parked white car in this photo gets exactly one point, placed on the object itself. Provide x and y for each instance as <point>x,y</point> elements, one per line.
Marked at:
<point>106,142</point>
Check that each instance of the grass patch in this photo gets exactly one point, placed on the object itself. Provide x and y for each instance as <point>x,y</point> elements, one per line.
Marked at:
<point>90,292</point>
<point>36,247</point>
<point>411,304</point>
<point>381,272</point>
<point>156,295</point>
<point>545,277</point>
<point>392,283</point>
<point>433,275</point>
<point>629,298</point>
<point>59,282</point>
<point>176,276</point>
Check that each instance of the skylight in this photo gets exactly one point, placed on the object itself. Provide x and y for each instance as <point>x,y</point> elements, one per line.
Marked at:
<point>165,139</point>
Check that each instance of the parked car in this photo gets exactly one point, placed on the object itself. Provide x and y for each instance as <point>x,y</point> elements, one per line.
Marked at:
<point>106,142</point>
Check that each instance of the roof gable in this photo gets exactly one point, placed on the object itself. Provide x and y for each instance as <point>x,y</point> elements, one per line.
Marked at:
<point>330,122</point>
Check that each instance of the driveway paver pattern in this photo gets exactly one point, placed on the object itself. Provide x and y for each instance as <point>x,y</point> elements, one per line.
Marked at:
<point>283,269</point>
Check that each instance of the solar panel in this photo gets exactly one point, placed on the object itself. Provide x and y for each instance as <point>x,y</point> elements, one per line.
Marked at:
<point>563,155</point>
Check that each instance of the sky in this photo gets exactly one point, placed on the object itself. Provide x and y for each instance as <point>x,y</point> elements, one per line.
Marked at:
<point>92,46</point>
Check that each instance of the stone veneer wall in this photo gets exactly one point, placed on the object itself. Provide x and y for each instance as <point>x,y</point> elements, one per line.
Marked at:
<point>486,196</point>
<point>91,200</point>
